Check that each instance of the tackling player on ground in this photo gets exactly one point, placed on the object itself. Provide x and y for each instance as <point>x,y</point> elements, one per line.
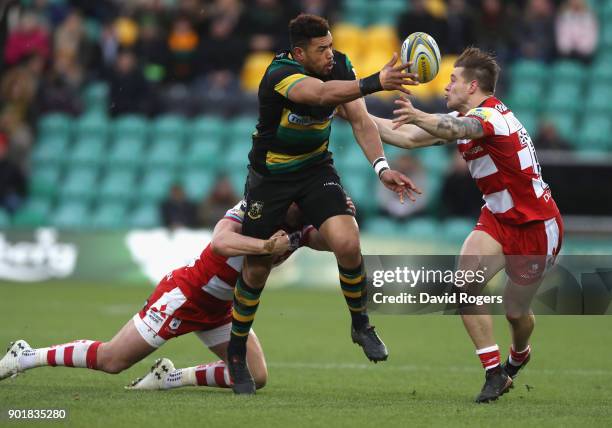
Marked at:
<point>195,298</point>
<point>290,162</point>
<point>519,227</point>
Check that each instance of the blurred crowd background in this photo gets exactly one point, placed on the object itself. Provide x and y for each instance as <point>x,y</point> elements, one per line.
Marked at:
<point>138,113</point>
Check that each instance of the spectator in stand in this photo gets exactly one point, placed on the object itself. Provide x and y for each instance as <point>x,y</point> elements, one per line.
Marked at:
<point>537,30</point>
<point>71,42</point>
<point>577,31</point>
<point>268,20</point>
<point>18,89</point>
<point>460,27</point>
<point>30,37</point>
<point>218,88</point>
<point>152,49</point>
<point>418,18</point>
<point>494,29</point>
<point>60,88</point>
<point>548,137</point>
<point>388,202</point>
<point>324,8</point>
<point>225,33</point>
<point>182,44</point>
<point>215,204</point>
<point>129,91</point>
<point>13,185</point>
<point>460,197</point>
<point>177,211</point>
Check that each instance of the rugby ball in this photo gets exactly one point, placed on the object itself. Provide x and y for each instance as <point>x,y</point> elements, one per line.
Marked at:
<point>422,50</point>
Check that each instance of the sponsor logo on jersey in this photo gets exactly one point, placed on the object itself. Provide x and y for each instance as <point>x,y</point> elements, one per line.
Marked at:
<point>307,120</point>
<point>255,210</point>
<point>480,113</point>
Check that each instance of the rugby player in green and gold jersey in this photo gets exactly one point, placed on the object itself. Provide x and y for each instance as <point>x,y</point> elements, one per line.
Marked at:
<point>299,94</point>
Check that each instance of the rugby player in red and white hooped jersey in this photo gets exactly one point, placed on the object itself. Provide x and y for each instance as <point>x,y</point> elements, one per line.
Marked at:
<point>519,218</point>
<point>195,298</point>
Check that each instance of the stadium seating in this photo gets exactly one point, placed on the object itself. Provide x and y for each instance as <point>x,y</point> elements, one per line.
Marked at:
<point>164,153</point>
<point>92,124</point>
<point>5,219</point>
<point>50,150</point>
<point>155,185</point>
<point>130,126</point>
<point>45,181</point>
<point>79,185</point>
<point>205,127</point>
<point>595,133</point>
<point>88,151</point>
<point>169,127</point>
<point>127,152</point>
<point>71,215</point>
<point>109,216</point>
<point>95,97</point>
<point>144,216</point>
<point>55,125</point>
<point>117,186</point>
<point>35,213</point>
<point>197,183</point>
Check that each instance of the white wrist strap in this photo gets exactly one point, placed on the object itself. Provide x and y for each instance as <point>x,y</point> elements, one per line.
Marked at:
<point>380,165</point>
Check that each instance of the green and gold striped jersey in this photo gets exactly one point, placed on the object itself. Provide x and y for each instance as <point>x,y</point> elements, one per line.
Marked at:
<point>292,137</point>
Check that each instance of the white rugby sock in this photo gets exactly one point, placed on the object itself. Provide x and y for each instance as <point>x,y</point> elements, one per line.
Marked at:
<point>80,353</point>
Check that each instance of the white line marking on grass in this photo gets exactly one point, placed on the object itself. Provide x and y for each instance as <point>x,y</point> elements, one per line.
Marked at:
<point>415,368</point>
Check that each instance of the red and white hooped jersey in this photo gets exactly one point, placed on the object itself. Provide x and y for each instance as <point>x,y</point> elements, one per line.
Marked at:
<point>505,167</point>
<point>210,279</point>
<point>212,274</point>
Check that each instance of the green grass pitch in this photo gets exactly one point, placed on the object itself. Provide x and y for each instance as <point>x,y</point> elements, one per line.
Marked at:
<point>317,376</point>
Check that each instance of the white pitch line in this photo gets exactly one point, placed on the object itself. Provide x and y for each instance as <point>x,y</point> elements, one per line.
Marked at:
<point>414,368</point>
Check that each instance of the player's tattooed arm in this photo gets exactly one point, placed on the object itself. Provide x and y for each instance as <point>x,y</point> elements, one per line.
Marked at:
<point>450,127</point>
<point>443,126</point>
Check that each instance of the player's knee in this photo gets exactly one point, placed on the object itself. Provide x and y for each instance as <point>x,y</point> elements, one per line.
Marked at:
<point>110,363</point>
<point>347,247</point>
<point>517,315</point>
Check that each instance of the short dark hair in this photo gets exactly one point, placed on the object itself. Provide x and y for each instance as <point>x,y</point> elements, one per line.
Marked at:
<point>480,66</point>
<point>305,27</point>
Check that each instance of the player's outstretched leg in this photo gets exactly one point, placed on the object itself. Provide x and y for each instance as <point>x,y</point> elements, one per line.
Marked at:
<point>21,356</point>
<point>125,349</point>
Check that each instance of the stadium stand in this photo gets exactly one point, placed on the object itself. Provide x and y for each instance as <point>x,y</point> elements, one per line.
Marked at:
<point>98,172</point>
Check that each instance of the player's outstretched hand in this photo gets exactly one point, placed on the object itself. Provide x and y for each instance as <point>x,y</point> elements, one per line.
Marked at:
<point>405,114</point>
<point>278,243</point>
<point>392,77</point>
<point>400,184</point>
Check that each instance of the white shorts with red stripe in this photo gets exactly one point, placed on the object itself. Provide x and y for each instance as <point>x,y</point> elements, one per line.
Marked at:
<point>169,314</point>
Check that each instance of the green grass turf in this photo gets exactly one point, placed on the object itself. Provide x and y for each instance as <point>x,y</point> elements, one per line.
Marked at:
<point>317,376</point>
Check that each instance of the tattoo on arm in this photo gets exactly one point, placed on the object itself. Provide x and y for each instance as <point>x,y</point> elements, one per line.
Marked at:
<point>454,127</point>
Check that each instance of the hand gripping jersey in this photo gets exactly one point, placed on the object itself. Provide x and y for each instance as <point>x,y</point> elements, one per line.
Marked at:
<point>505,167</point>
<point>212,275</point>
<point>291,137</point>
